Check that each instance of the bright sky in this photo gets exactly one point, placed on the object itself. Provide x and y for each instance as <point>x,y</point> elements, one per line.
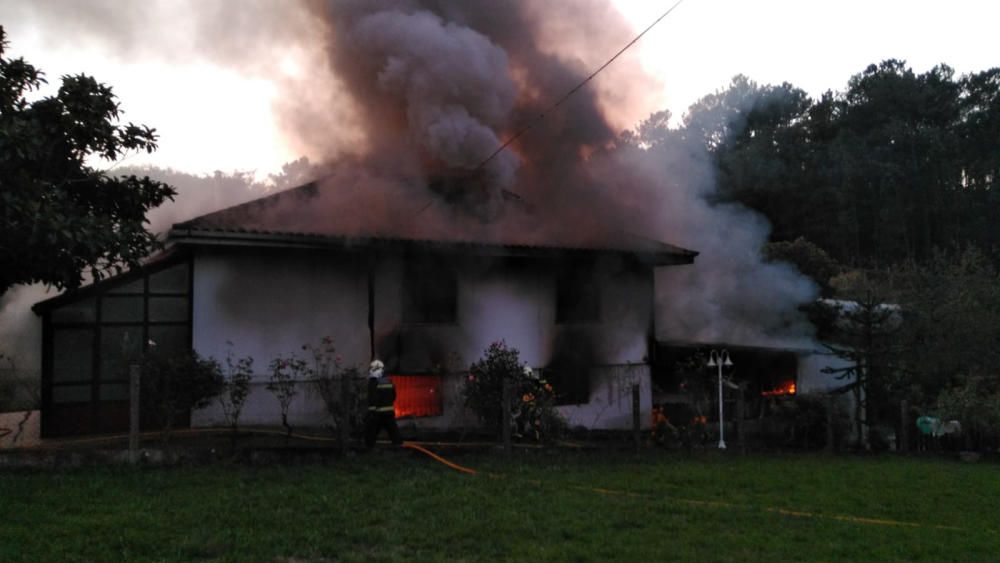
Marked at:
<point>212,118</point>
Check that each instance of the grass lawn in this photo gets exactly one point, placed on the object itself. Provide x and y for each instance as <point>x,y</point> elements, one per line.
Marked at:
<point>402,505</point>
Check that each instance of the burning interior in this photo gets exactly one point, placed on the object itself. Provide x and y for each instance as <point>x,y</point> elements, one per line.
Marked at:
<point>681,379</point>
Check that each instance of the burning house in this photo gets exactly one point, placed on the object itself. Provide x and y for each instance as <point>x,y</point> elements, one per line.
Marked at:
<point>425,300</point>
<point>439,226</point>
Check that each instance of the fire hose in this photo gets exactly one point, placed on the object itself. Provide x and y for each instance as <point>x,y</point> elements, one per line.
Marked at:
<point>416,446</point>
<point>603,491</point>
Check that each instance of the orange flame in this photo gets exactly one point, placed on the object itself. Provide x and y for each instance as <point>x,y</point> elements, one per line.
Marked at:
<point>786,388</point>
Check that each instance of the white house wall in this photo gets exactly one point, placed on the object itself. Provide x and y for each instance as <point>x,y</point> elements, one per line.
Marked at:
<point>270,303</point>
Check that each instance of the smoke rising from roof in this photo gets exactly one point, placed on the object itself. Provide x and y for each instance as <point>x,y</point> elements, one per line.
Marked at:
<point>419,92</point>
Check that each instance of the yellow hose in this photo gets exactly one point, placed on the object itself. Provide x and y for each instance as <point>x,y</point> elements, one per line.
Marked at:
<point>417,447</point>
<point>421,449</point>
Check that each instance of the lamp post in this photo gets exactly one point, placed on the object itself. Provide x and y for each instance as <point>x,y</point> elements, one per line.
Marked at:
<point>720,359</point>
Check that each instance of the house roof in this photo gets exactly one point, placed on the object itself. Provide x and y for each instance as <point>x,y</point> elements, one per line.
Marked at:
<point>153,263</point>
<point>329,214</point>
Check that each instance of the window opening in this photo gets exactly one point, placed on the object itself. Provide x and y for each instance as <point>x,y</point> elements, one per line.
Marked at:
<point>417,395</point>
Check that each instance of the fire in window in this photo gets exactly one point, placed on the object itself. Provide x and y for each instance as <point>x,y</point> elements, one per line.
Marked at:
<point>784,388</point>
<point>417,395</point>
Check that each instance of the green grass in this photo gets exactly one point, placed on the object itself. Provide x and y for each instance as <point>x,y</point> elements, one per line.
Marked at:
<point>539,506</point>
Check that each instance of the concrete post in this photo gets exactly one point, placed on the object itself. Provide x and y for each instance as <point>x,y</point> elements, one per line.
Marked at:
<point>740,429</point>
<point>636,422</point>
<point>346,400</point>
<point>505,418</point>
<point>829,424</point>
<point>135,373</point>
<point>904,427</point>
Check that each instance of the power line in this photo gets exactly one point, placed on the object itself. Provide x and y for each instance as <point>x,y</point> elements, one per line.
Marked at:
<point>559,102</point>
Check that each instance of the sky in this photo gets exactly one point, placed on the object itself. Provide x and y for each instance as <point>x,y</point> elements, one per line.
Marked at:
<point>212,116</point>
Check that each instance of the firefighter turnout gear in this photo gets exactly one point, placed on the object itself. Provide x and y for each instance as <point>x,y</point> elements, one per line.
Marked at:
<point>381,412</point>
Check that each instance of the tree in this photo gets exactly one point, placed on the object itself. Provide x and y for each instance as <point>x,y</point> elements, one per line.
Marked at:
<point>61,218</point>
<point>809,258</point>
<point>896,151</point>
<point>867,345</point>
<point>951,311</point>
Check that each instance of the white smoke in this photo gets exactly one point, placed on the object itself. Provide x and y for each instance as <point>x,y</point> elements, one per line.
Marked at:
<point>730,294</point>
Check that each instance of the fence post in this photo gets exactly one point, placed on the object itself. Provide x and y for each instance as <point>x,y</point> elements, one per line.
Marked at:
<point>134,373</point>
<point>346,402</point>
<point>636,423</point>
<point>740,430</point>
<point>904,427</point>
<point>505,418</point>
<point>829,424</point>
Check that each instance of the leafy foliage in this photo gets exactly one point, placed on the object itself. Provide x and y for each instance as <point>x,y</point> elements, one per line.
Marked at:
<point>809,258</point>
<point>343,390</point>
<point>867,342</point>
<point>532,402</point>
<point>285,375</point>
<point>176,383</point>
<point>236,388</point>
<point>59,216</point>
<point>974,400</point>
<point>893,166</point>
<point>800,421</point>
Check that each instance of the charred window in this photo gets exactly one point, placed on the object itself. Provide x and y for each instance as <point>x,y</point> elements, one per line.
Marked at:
<point>430,292</point>
<point>578,295</point>
<point>570,386</point>
<point>417,395</point>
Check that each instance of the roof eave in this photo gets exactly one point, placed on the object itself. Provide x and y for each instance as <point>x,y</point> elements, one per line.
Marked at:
<point>212,237</point>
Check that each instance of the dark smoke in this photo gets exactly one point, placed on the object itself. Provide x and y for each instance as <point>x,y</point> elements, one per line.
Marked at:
<point>420,69</point>
<point>446,82</point>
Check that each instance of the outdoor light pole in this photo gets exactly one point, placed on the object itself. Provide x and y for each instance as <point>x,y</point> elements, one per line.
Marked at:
<point>720,359</point>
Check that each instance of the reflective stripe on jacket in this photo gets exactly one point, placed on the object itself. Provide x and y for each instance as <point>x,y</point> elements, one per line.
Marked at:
<point>381,394</point>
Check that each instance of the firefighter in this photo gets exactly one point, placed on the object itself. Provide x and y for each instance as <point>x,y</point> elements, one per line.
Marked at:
<point>381,413</point>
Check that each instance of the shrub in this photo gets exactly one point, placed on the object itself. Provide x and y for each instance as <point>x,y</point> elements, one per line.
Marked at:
<point>800,421</point>
<point>236,388</point>
<point>341,389</point>
<point>174,384</point>
<point>532,403</point>
<point>285,374</point>
<point>975,402</point>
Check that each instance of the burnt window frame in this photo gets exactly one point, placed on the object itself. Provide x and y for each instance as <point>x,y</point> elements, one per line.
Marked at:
<point>570,293</point>
<point>422,278</point>
<point>569,389</point>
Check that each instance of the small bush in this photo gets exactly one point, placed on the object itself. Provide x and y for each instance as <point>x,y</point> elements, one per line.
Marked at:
<point>174,384</point>
<point>800,421</point>
<point>285,374</point>
<point>236,388</point>
<point>342,390</point>
<point>532,402</point>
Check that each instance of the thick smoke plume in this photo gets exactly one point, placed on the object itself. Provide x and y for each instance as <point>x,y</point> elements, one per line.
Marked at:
<point>445,82</point>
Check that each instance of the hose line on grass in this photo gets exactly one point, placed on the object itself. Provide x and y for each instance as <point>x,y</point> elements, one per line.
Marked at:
<point>438,458</point>
<point>417,447</point>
